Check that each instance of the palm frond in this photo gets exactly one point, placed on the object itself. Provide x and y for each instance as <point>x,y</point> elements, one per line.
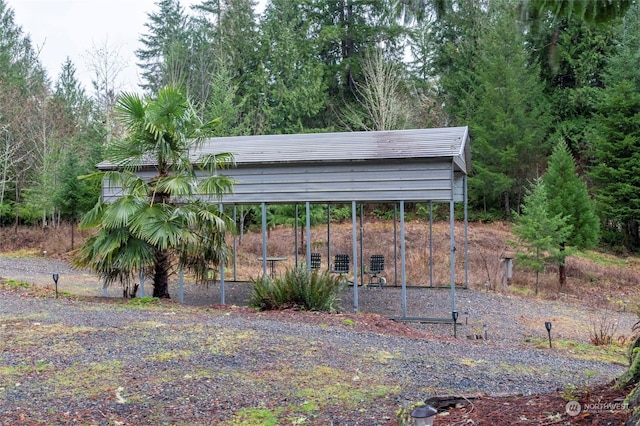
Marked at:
<point>129,182</point>
<point>162,226</point>
<point>126,155</point>
<point>216,186</point>
<point>130,110</point>
<point>215,162</point>
<point>120,212</point>
<point>204,131</point>
<point>93,217</point>
<point>116,255</point>
<point>177,186</point>
<point>149,213</point>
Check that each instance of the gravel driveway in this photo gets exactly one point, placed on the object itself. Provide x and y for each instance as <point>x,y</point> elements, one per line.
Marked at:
<point>65,361</point>
<point>508,319</point>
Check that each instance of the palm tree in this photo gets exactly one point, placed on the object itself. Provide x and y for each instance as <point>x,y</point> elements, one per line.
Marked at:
<point>168,216</point>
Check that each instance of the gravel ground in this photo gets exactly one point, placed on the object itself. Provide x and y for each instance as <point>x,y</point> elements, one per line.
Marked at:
<point>209,365</point>
<point>508,319</point>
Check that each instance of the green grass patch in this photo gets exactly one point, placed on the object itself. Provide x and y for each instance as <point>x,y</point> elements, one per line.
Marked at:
<point>170,355</point>
<point>521,291</point>
<point>88,380</point>
<point>613,353</point>
<point>256,416</point>
<point>11,284</point>
<point>329,385</point>
<point>22,254</point>
<point>230,342</point>
<point>13,370</point>
<point>602,258</point>
<point>143,301</point>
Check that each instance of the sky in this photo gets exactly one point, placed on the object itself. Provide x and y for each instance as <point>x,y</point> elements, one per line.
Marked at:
<point>72,28</point>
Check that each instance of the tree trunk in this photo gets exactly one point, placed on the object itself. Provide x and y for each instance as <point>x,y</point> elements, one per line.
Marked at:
<point>507,206</point>
<point>161,275</point>
<point>562,272</point>
<point>17,213</point>
<point>631,232</point>
<point>537,271</point>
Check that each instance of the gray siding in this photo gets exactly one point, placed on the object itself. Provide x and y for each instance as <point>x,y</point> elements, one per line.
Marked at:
<point>366,182</point>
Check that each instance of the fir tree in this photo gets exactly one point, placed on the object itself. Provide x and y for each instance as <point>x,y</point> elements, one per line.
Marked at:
<point>539,232</point>
<point>568,196</point>
<point>166,38</point>
<point>616,142</point>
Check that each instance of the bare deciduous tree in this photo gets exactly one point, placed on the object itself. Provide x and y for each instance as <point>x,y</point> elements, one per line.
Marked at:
<point>106,64</point>
<point>381,103</point>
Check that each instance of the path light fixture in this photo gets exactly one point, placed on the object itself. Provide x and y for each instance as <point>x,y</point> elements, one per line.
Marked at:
<point>547,325</point>
<point>485,327</point>
<point>423,415</point>
<point>454,315</point>
<point>55,280</point>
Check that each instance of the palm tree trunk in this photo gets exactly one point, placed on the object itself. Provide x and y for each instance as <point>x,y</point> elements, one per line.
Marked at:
<point>161,275</point>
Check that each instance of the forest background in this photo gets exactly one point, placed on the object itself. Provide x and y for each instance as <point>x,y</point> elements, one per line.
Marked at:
<point>524,75</point>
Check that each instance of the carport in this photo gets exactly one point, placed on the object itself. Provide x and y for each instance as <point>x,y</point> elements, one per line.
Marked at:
<point>421,165</point>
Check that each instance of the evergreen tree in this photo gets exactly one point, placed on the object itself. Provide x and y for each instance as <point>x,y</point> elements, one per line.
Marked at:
<point>345,31</point>
<point>225,105</point>
<point>591,11</point>
<point>616,142</point>
<point>232,32</point>
<point>24,116</point>
<point>574,78</point>
<point>71,134</point>
<point>539,232</point>
<point>73,196</point>
<point>238,41</point>
<point>164,46</point>
<point>293,89</point>
<point>568,196</point>
<point>456,36</point>
<point>491,85</point>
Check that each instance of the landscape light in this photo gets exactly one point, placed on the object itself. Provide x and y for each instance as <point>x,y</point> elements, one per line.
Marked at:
<point>454,315</point>
<point>55,280</point>
<point>485,327</point>
<point>423,415</point>
<point>547,325</point>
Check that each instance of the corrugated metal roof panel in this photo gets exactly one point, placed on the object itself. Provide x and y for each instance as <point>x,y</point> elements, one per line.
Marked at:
<point>345,146</point>
<point>449,142</point>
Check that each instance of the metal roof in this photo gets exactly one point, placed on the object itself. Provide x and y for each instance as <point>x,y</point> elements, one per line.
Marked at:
<point>448,142</point>
<point>440,143</point>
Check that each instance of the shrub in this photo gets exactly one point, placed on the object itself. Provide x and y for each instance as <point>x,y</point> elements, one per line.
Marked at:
<point>300,288</point>
<point>603,329</point>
